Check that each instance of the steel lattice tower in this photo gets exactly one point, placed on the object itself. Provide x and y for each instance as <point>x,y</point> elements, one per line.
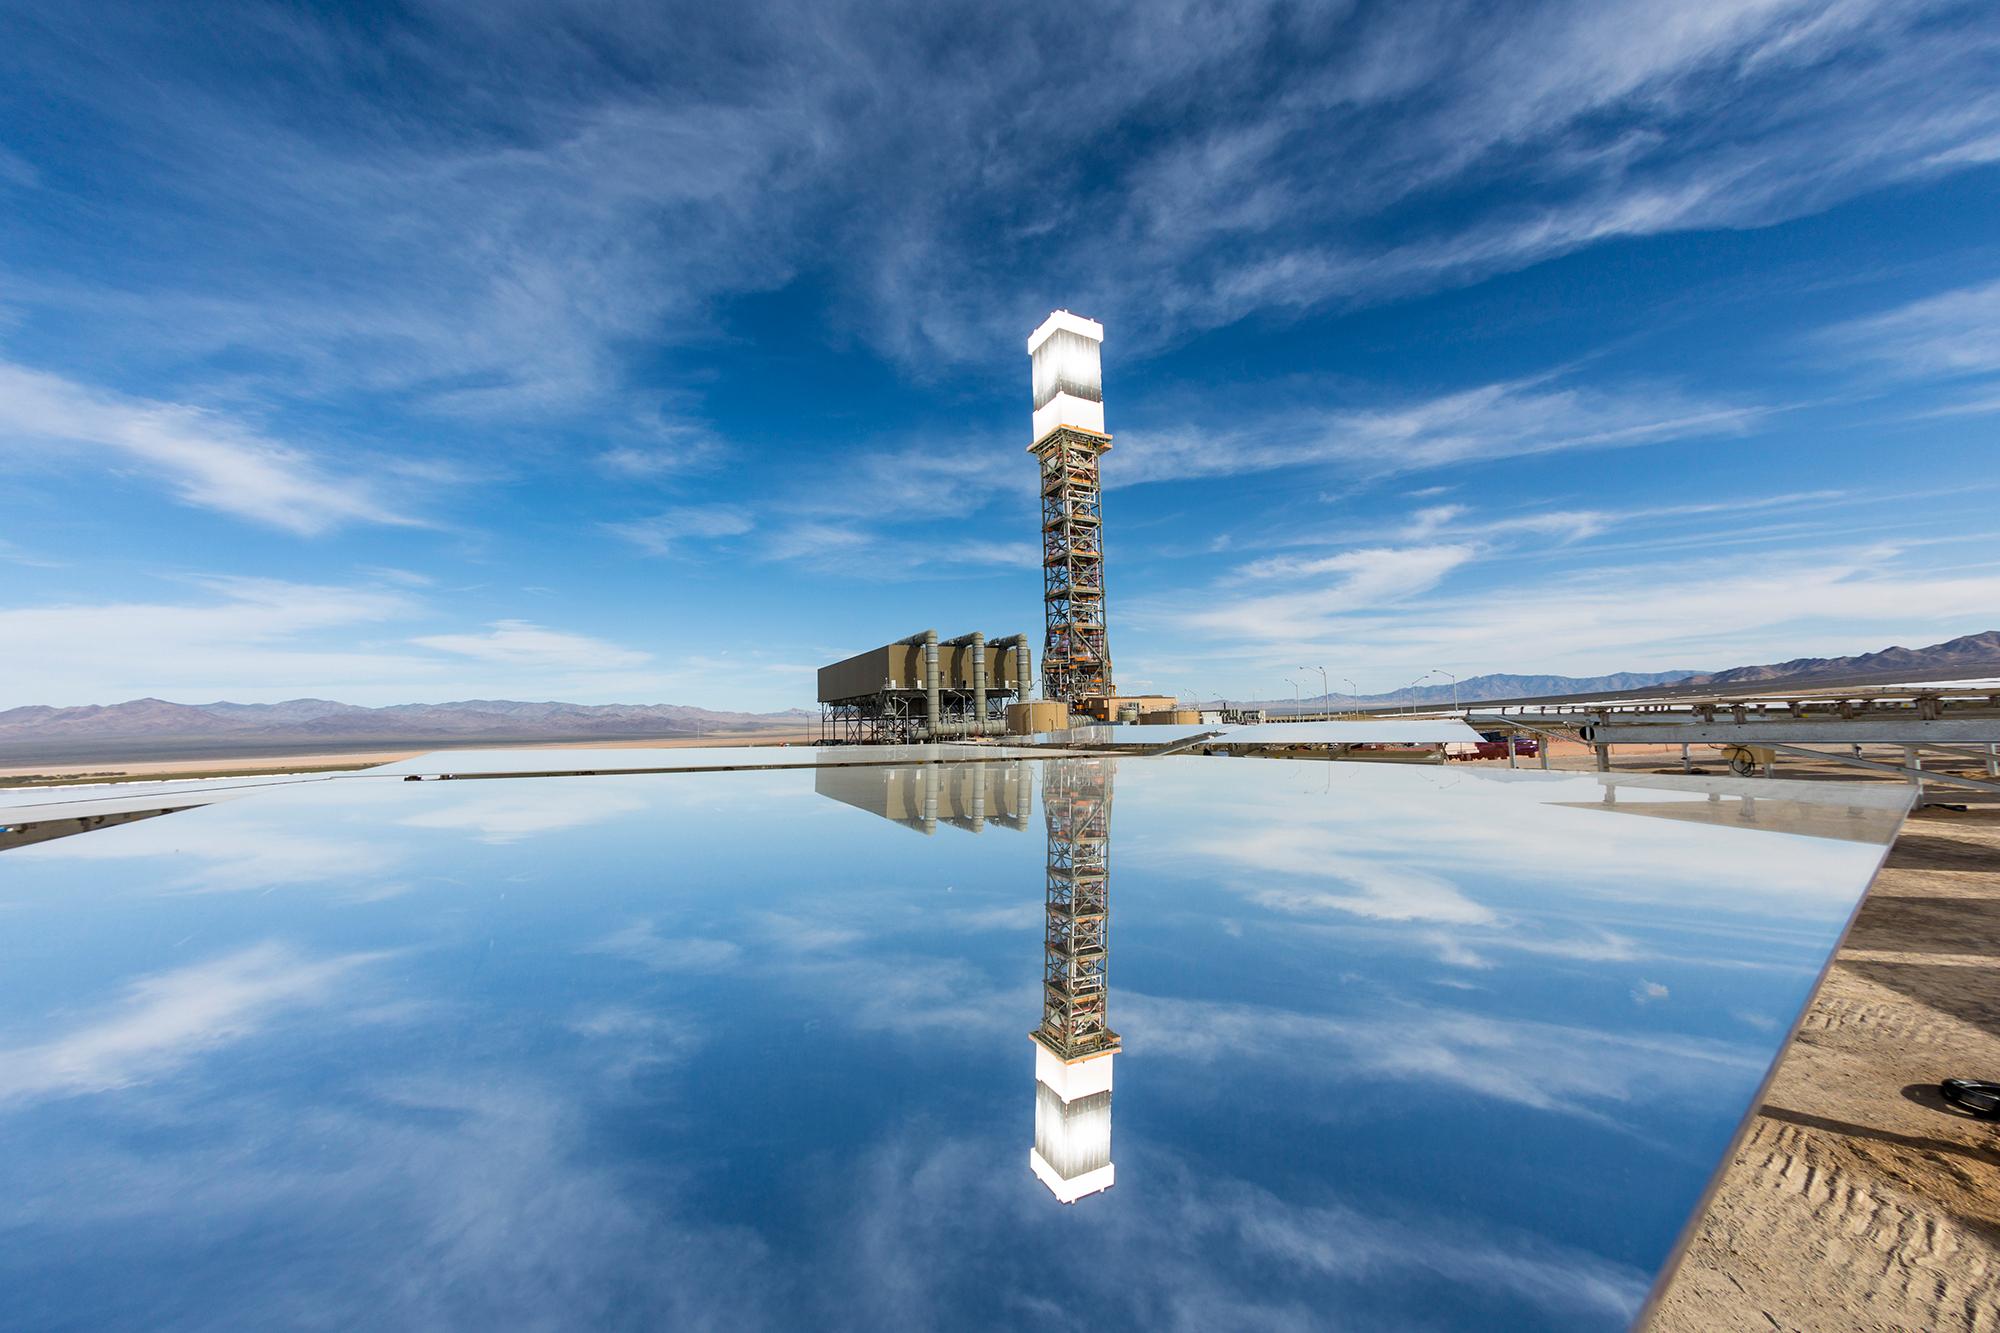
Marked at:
<point>1074,1047</point>
<point>1076,801</point>
<point>1069,439</point>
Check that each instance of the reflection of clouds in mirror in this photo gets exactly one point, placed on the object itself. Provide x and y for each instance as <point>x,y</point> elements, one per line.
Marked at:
<point>1384,893</point>
<point>1488,833</point>
<point>249,854</point>
<point>632,1041</point>
<point>166,1019</point>
<point>450,1200</point>
<point>1022,916</point>
<point>798,934</point>
<point>1202,1255</point>
<point>1498,867</point>
<point>1547,1066</point>
<point>461,1200</point>
<point>506,814</point>
<point>1453,953</point>
<point>643,943</point>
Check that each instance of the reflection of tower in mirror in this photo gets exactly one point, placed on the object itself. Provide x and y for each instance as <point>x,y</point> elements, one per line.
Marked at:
<point>1074,1046</point>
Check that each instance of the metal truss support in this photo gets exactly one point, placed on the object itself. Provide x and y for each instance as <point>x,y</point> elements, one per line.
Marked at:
<point>1076,661</point>
<point>1076,800</point>
<point>1921,776</point>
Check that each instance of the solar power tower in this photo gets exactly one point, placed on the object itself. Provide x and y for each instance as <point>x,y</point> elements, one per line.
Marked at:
<point>1075,1046</point>
<point>1069,439</point>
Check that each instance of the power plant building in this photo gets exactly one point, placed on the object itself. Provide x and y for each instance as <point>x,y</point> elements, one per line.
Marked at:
<point>924,689</point>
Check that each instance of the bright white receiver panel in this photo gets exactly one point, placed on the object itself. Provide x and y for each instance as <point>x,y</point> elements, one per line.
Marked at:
<point>1068,374</point>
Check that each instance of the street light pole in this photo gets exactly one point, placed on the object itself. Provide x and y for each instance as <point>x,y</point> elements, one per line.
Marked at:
<point>1325,690</point>
<point>1409,692</point>
<point>1454,688</point>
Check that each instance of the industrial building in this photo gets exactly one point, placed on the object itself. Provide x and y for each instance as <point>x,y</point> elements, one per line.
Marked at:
<point>924,688</point>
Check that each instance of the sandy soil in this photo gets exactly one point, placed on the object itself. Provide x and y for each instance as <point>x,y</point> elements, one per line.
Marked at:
<point>155,770</point>
<point>1859,1199</point>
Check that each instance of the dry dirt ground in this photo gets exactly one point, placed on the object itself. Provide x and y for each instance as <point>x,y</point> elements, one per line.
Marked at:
<point>1859,1199</point>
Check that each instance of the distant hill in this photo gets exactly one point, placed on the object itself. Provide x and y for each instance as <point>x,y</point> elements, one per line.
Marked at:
<point>1971,650</point>
<point>156,728</point>
<point>1974,651</point>
<point>1499,686</point>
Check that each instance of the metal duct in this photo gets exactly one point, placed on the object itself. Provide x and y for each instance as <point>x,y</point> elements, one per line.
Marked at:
<point>978,683</point>
<point>1023,673</point>
<point>930,684</point>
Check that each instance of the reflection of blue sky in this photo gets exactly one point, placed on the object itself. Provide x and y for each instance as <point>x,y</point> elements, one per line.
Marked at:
<point>689,1050</point>
<point>1499,864</point>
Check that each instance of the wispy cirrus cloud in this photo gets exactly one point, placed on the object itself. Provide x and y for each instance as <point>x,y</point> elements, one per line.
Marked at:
<point>503,269</point>
<point>1350,583</point>
<point>1513,419</point>
<point>1615,616</point>
<point>683,529</point>
<point>1948,339</point>
<point>207,459</point>
<point>266,640</point>
<point>519,643</point>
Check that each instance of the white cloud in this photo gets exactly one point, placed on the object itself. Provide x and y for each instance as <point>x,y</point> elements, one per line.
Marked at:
<point>263,641</point>
<point>1503,420</point>
<point>167,1019</point>
<point>208,460</point>
<point>518,643</point>
<point>1360,581</point>
<point>512,271</point>
<point>249,630</point>
<point>1955,333</point>
<point>673,531</point>
<point>1721,609</point>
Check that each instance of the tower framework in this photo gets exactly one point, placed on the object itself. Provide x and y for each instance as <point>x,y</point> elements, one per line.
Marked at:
<point>1076,800</point>
<point>1069,441</point>
<point>1075,1047</point>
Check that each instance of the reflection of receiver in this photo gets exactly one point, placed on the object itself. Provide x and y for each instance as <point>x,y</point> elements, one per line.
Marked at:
<point>1072,1152</point>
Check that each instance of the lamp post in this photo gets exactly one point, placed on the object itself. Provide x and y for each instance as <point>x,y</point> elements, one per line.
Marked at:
<point>1409,697</point>
<point>1295,697</point>
<point>1454,688</point>
<point>1325,690</point>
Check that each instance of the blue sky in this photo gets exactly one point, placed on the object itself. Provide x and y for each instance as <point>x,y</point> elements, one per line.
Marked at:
<point>646,352</point>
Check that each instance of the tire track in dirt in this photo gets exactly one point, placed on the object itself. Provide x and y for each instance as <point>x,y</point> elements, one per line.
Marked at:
<point>1857,1200</point>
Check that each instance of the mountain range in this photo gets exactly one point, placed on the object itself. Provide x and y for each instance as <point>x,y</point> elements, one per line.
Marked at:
<point>156,728</point>
<point>1970,651</point>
